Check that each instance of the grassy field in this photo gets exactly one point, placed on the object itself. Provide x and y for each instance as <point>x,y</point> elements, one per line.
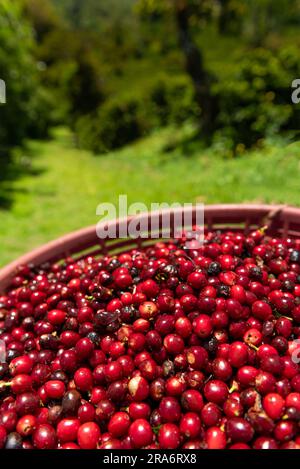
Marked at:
<point>60,186</point>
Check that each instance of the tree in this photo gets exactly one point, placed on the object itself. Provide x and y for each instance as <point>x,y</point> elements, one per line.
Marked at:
<point>43,16</point>
<point>73,72</point>
<point>182,12</point>
<point>229,16</point>
<point>86,87</point>
<point>21,115</point>
<point>262,17</point>
<point>195,67</point>
<point>94,14</point>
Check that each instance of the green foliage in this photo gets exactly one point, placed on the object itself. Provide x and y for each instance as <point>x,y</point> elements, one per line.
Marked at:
<point>256,102</point>
<point>43,17</point>
<point>119,122</point>
<point>27,110</point>
<point>161,7</point>
<point>171,101</point>
<point>85,84</point>
<point>73,72</point>
<point>113,70</point>
<point>261,17</point>
<point>94,14</point>
<point>113,126</point>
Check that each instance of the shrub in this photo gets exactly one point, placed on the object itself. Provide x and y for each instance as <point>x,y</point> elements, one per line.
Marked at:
<point>113,126</point>
<point>119,122</point>
<point>172,100</point>
<point>256,102</point>
<point>27,109</point>
<point>73,71</point>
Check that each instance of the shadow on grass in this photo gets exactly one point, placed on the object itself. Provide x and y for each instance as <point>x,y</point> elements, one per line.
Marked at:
<point>15,164</point>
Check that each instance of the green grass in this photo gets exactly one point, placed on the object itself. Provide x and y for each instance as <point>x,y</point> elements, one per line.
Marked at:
<point>61,191</point>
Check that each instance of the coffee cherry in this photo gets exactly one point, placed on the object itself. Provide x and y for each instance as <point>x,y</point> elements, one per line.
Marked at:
<point>83,379</point>
<point>88,435</point>
<point>26,425</point>
<point>169,436</point>
<point>27,403</point>
<point>285,430</point>
<point>44,437</point>
<point>221,369</point>
<point>190,425</point>
<point>21,365</point>
<point>202,326</point>
<point>216,391</point>
<point>239,430</point>
<point>139,410</point>
<point>148,310</point>
<point>215,438</point>
<point>261,310</point>
<point>140,433</point>
<point>54,389</point>
<point>119,424</point>
<point>238,354</point>
<point>67,429</point>
<point>3,436</point>
<point>71,402</point>
<point>191,400</point>
<point>274,404</point>
<point>84,348</point>
<point>174,344</point>
<point>138,388</point>
<point>169,409</point>
<point>211,414</point>
<point>56,317</point>
<point>264,442</point>
<point>156,348</point>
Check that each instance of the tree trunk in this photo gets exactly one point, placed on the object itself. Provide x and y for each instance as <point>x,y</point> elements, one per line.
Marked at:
<point>195,68</point>
<point>224,17</point>
<point>76,9</point>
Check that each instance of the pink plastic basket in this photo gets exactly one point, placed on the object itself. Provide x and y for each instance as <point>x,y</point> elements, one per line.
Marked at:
<point>281,220</point>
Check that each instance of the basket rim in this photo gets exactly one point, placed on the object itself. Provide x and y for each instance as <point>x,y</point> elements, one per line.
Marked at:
<point>88,234</point>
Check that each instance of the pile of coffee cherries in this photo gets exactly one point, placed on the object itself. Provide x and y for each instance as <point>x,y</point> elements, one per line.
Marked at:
<point>159,348</point>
